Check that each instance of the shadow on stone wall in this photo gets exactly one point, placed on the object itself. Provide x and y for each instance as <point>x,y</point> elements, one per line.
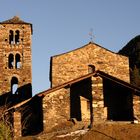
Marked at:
<point>82,88</point>
<point>32,117</point>
<point>118,100</point>
<point>25,92</point>
<point>8,99</point>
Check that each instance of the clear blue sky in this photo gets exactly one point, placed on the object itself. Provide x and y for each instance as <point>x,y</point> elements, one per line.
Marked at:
<point>63,25</point>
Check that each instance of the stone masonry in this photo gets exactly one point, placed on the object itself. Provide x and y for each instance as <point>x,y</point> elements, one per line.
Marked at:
<point>15,66</point>
<point>89,84</point>
<point>15,54</point>
<point>56,108</point>
<point>74,64</point>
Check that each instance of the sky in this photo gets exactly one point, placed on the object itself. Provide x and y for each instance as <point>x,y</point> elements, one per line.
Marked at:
<point>63,25</point>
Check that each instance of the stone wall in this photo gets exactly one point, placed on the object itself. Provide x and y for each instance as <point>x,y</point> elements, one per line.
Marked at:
<point>74,64</point>
<point>85,110</point>
<point>136,107</point>
<point>99,110</point>
<point>17,125</point>
<point>56,108</point>
<point>23,48</point>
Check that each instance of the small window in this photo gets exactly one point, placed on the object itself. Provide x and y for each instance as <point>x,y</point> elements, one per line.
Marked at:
<point>17,37</point>
<point>11,61</point>
<point>14,61</point>
<point>91,68</point>
<point>11,37</point>
<point>14,85</point>
<point>17,61</point>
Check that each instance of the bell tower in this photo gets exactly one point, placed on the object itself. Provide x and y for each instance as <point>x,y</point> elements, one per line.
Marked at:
<point>15,58</point>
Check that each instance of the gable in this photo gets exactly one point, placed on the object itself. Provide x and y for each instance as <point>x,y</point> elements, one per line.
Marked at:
<point>73,64</point>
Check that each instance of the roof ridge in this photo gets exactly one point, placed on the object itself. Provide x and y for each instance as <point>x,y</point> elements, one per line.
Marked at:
<point>90,43</point>
<point>96,73</point>
<point>15,19</point>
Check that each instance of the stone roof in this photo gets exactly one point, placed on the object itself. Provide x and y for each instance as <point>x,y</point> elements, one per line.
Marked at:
<point>14,20</point>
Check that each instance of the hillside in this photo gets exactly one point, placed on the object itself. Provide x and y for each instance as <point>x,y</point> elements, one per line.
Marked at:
<point>132,50</point>
<point>100,131</point>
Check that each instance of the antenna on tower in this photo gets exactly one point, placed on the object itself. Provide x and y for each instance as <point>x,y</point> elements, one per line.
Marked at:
<point>91,34</point>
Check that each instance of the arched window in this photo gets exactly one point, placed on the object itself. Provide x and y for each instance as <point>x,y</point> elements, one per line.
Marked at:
<point>11,37</point>
<point>17,37</point>
<point>14,85</point>
<point>17,61</point>
<point>11,61</point>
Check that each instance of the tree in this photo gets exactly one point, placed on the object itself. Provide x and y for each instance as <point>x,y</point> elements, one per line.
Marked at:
<point>5,126</point>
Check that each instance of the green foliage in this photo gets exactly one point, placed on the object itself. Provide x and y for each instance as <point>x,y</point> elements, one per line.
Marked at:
<point>5,132</point>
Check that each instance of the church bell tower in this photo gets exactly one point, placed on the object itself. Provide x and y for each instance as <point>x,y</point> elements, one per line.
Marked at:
<point>15,58</point>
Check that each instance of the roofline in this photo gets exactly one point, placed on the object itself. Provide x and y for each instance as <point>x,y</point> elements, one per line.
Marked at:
<point>14,23</point>
<point>85,46</point>
<point>67,84</point>
<point>96,73</point>
<point>18,105</point>
<point>119,81</point>
<point>43,93</point>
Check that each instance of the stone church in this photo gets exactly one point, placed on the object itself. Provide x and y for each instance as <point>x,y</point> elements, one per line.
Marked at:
<point>89,84</point>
